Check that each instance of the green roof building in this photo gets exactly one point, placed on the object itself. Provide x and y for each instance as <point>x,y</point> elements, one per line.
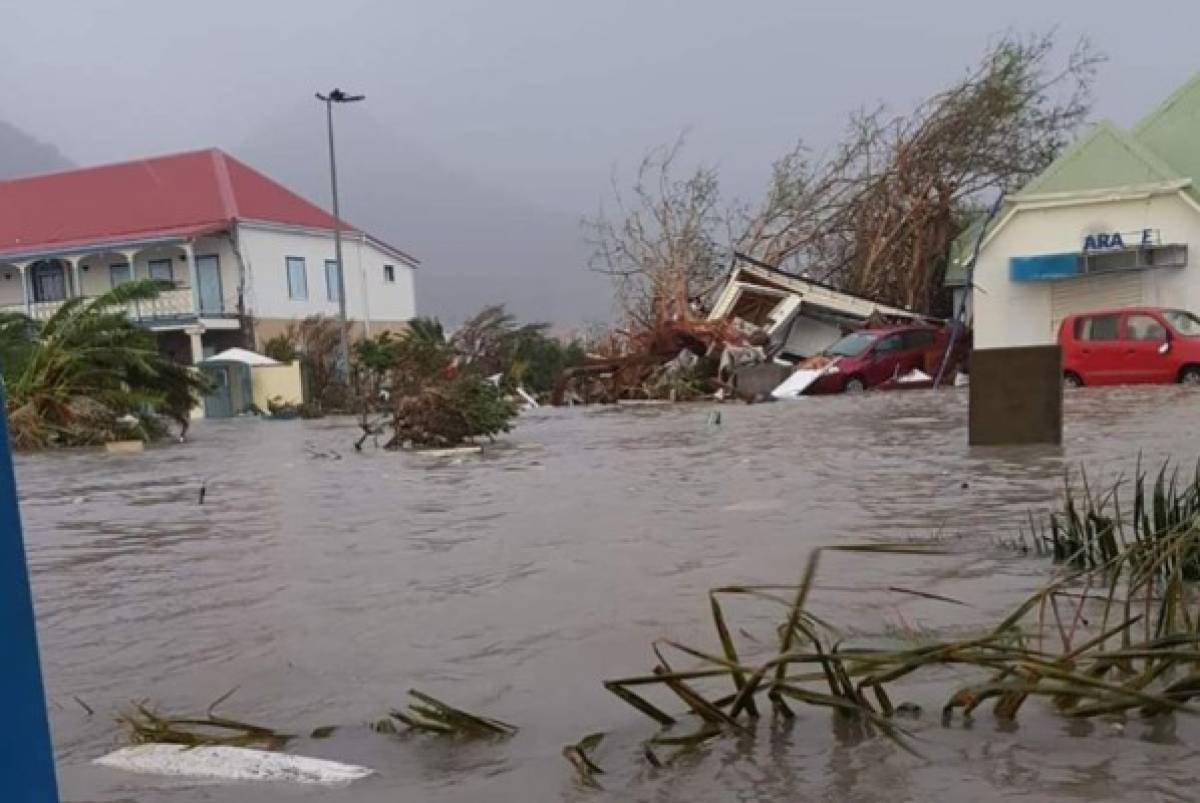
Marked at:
<point>1108,223</point>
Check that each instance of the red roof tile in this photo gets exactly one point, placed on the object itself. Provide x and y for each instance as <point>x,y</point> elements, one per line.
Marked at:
<point>179,195</point>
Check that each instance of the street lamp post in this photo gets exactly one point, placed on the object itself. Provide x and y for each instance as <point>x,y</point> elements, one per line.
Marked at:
<point>338,96</point>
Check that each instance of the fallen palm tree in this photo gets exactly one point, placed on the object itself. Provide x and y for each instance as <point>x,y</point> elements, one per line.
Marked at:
<point>1115,633</point>
<point>90,374</point>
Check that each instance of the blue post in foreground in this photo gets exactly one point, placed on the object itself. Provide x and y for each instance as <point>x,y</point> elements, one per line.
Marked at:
<point>26,755</point>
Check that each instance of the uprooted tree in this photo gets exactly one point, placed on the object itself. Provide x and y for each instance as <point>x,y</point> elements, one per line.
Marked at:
<point>879,216</point>
<point>876,215</point>
<point>663,246</point>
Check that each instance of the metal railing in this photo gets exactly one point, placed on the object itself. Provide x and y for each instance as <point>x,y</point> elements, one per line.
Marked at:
<point>169,305</point>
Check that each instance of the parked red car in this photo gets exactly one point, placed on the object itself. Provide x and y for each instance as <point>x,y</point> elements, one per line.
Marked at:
<point>1130,345</point>
<point>869,357</point>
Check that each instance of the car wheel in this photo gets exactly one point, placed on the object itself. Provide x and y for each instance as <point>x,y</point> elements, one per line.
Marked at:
<point>854,385</point>
<point>1190,376</point>
<point>1072,381</point>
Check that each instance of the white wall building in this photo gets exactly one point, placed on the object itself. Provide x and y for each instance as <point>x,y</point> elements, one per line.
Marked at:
<point>243,256</point>
<point>1114,221</point>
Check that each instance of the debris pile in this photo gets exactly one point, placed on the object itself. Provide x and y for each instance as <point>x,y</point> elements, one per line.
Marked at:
<point>675,359</point>
<point>760,326</point>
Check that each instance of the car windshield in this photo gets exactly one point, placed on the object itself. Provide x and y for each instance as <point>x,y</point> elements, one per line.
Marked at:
<point>1185,323</point>
<point>851,345</point>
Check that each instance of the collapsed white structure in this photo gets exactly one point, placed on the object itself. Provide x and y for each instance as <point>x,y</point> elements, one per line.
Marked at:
<point>800,315</point>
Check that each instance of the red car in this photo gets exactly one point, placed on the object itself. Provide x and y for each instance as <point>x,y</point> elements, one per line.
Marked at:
<point>1130,345</point>
<point>869,357</point>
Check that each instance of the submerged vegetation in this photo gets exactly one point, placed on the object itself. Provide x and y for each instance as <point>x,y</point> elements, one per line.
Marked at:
<point>90,375</point>
<point>431,715</point>
<point>1092,531</point>
<point>1117,632</point>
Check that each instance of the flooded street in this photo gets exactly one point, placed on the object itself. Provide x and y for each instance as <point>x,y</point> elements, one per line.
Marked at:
<point>323,584</point>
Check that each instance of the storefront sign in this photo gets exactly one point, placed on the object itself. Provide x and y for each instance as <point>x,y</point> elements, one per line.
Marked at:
<point>1111,241</point>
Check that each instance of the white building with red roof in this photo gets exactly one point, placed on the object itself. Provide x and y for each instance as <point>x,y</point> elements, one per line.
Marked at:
<point>244,255</point>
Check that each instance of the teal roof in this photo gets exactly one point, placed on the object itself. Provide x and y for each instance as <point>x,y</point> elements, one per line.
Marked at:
<point>1104,157</point>
<point>1165,146</point>
<point>1172,132</point>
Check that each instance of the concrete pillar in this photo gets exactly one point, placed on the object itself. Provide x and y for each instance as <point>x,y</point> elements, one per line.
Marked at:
<point>76,281</point>
<point>195,335</point>
<point>24,268</point>
<point>193,276</point>
<point>137,305</point>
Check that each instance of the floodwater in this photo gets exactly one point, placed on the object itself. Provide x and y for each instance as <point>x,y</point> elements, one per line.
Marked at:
<point>323,584</point>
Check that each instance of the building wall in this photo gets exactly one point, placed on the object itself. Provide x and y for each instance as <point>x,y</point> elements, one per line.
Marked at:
<point>267,328</point>
<point>1007,313</point>
<point>270,381</point>
<point>98,276</point>
<point>368,295</point>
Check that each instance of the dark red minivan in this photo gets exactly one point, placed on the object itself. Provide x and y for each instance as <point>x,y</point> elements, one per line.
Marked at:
<point>1130,346</point>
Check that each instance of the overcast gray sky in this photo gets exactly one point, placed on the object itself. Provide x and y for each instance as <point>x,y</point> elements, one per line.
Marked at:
<point>541,98</point>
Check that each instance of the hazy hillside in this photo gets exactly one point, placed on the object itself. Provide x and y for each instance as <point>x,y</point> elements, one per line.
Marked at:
<point>477,244</point>
<point>21,154</point>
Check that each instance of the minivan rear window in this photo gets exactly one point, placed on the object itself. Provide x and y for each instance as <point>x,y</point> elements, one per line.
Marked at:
<point>1097,327</point>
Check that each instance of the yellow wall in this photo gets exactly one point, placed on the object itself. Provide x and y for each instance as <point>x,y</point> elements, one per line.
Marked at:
<point>268,381</point>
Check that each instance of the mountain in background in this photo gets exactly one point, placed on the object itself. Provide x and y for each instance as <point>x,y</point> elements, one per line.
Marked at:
<point>477,244</point>
<point>22,155</point>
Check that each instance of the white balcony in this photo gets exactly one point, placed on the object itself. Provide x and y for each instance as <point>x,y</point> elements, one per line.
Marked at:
<point>202,287</point>
<point>175,306</point>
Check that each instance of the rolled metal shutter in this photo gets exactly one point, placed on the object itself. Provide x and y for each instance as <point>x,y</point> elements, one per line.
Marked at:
<point>1092,292</point>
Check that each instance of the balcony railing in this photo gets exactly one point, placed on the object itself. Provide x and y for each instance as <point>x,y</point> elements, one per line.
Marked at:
<point>168,306</point>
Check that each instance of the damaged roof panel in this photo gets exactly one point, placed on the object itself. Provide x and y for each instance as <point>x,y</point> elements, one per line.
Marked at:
<point>751,281</point>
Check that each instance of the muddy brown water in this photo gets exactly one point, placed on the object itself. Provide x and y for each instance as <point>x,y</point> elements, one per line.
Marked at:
<point>323,584</point>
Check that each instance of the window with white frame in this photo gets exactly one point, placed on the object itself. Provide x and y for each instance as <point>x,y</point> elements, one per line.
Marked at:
<point>297,279</point>
<point>331,279</point>
<point>118,273</point>
<point>162,270</point>
<point>389,273</point>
